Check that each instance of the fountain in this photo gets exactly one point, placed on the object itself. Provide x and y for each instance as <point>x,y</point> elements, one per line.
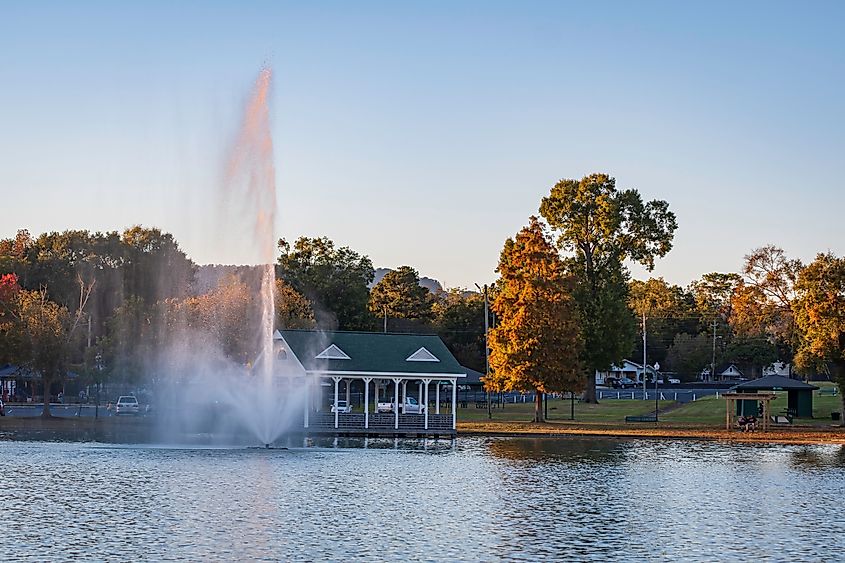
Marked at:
<point>214,396</point>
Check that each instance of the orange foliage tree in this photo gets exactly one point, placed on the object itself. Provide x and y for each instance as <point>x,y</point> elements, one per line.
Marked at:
<point>537,344</point>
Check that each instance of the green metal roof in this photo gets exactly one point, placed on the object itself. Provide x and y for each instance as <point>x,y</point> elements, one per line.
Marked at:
<point>371,352</point>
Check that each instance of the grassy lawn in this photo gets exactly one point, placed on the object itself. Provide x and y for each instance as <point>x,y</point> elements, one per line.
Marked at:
<point>710,411</point>
<point>610,411</point>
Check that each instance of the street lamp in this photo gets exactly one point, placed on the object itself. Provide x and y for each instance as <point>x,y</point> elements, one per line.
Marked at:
<point>656,394</point>
<point>486,350</point>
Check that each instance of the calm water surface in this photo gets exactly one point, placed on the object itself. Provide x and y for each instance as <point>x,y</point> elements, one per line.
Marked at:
<point>474,499</point>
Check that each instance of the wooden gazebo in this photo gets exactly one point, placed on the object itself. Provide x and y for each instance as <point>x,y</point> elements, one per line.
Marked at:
<point>731,402</point>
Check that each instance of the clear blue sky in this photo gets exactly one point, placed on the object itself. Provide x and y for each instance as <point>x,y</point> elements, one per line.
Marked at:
<point>426,133</point>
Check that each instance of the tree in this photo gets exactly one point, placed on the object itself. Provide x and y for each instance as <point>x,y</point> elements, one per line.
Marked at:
<point>400,295</point>
<point>712,294</point>
<point>156,268</point>
<point>688,355</point>
<point>537,344</point>
<point>293,310</point>
<point>773,276</point>
<point>752,354</point>
<point>819,309</point>
<point>459,322</point>
<point>599,227</point>
<point>9,337</point>
<point>668,310</point>
<point>334,279</point>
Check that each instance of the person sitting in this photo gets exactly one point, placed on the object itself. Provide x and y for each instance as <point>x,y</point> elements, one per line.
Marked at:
<point>742,422</point>
<point>751,424</point>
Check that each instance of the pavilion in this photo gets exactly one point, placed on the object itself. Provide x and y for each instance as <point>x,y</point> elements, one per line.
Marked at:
<point>371,368</point>
<point>799,394</point>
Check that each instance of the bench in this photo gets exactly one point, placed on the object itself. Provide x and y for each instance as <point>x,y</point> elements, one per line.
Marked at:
<point>641,418</point>
<point>828,391</point>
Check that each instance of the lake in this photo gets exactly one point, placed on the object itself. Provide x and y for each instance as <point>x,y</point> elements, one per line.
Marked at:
<point>470,499</point>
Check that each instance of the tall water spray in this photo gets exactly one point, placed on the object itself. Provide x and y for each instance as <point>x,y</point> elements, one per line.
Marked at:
<point>250,180</point>
<point>223,382</point>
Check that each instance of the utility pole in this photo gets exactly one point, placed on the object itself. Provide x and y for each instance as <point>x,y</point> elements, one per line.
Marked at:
<point>713,359</point>
<point>487,351</point>
<point>385,319</point>
<point>644,355</point>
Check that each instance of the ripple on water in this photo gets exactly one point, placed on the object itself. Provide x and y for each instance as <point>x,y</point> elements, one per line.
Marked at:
<point>477,499</point>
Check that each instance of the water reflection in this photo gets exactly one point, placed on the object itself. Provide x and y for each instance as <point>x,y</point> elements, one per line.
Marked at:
<point>385,499</point>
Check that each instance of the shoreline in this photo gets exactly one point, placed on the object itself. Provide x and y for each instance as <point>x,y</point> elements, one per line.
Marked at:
<point>132,429</point>
<point>792,436</point>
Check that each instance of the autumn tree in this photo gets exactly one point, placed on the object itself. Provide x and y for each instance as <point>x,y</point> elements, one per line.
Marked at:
<point>400,295</point>
<point>773,277</point>
<point>819,309</point>
<point>600,227</point>
<point>537,344</point>
<point>335,281</point>
<point>293,310</point>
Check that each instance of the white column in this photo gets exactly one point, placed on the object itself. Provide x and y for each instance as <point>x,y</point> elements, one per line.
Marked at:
<point>404,394</point>
<point>336,413</point>
<point>396,402</point>
<point>437,397</point>
<point>348,384</point>
<point>454,404</point>
<point>425,393</point>
<point>307,399</point>
<point>367,401</point>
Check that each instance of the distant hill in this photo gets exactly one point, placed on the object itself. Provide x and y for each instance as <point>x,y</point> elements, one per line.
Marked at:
<point>430,284</point>
<point>208,276</point>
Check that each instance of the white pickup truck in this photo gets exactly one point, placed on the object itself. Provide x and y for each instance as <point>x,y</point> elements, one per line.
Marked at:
<point>411,406</point>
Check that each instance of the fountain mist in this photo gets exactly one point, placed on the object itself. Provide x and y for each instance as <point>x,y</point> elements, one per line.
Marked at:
<point>227,397</point>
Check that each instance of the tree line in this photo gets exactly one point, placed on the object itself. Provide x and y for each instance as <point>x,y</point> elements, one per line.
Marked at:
<point>567,307</point>
<point>563,307</point>
<point>102,305</point>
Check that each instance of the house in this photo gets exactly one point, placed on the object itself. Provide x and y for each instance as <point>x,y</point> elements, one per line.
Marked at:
<point>629,369</point>
<point>371,368</point>
<point>724,372</point>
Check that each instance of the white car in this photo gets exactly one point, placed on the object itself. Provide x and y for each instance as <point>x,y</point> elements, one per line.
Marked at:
<point>342,407</point>
<point>411,406</point>
<point>674,381</point>
<point>127,404</point>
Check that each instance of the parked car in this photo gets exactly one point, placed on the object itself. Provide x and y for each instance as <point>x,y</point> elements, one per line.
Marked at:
<point>611,382</point>
<point>625,383</point>
<point>674,381</point>
<point>126,404</point>
<point>411,406</point>
<point>342,407</point>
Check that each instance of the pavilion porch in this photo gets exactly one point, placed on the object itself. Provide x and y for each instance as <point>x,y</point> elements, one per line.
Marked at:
<point>364,393</point>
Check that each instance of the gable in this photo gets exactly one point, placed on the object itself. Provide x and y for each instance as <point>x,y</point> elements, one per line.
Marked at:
<point>371,353</point>
<point>422,355</point>
<point>332,353</point>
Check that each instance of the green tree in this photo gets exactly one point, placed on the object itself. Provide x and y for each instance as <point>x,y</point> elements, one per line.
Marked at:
<point>334,279</point>
<point>599,228</point>
<point>669,311</point>
<point>819,309</point>
<point>689,354</point>
<point>400,295</point>
<point>155,267</point>
<point>537,344</point>
<point>752,354</point>
<point>459,322</point>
